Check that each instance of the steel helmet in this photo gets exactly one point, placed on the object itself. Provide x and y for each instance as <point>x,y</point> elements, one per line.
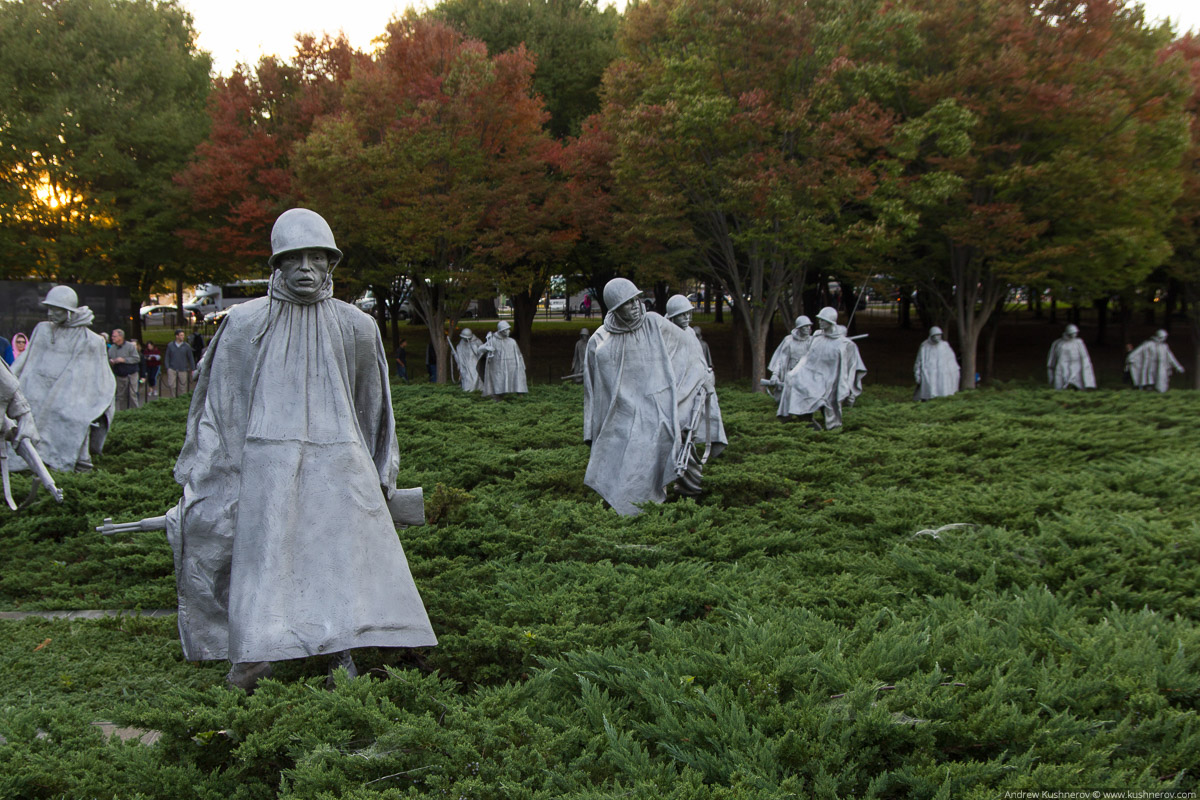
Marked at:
<point>302,229</point>
<point>466,334</point>
<point>678,304</point>
<point>935,330</point>
<point>801,321</point>
<point>62,297</point>
<point>502,326</point>
<point>1072,329</point>
<point>618,292</point>
<point>583,332</point>
<point>829,314</point>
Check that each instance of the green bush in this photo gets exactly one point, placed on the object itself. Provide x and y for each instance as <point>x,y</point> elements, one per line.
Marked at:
<point>987,593</point>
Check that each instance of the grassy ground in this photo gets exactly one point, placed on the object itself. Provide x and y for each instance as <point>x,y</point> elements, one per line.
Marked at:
<point>807,628</point>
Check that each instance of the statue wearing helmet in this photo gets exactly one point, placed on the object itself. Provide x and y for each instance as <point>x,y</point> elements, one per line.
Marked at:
<point>699,413</point>
<point>827,379</point>
<point>504,367</point>
<point>577,358</point>
<point>1150,364</point>
<point>467,353</point>
<point>788,354</point>
<point>936,370</point>
<point>630,413</point>
<point>1069,364</point>
<point>66,378</point>
<point>291,453</point>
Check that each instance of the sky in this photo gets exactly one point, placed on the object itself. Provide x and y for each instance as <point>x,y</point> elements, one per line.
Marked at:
<point>243,30</point>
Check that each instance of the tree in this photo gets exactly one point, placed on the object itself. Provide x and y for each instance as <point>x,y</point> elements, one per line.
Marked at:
<point>436,154</point>
<point>1184,232</point>
<point>1068,152</point>
<point>747,136</point>
<point>104,101</point>
<point>240,178</point>
<point>572,42</point>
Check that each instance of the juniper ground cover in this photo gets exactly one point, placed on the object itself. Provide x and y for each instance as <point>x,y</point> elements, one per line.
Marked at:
<point>987,593</point>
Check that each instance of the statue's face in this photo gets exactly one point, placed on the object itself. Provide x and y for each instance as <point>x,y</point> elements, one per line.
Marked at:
<point>826,326</point>
<point>304,271</point>
<point>502,334</point>
<point>935,337</point>
<point>803,331</point>
<point>1072,334</point>
<point>631,311</point>
<point>682,320</point>
<point>57,315</point>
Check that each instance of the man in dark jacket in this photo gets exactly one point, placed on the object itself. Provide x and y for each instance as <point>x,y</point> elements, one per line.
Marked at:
<point>180,363</point>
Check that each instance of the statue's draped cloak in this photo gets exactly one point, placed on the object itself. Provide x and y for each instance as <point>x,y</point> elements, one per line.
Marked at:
<point>1069,365</point>
<point>467,352</point>
<point>504,371</point>
<point>284,546</point>
<point>629,413</point>
<point>577,360</point>
<point>787,355</point>
<point>1151,364</point>
<point>66,378</point>
<point>936,371</point>
<point>827,378</point>
<point>693,380</point>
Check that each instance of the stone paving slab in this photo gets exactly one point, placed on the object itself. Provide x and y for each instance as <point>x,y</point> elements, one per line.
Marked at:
<point>97,613</point>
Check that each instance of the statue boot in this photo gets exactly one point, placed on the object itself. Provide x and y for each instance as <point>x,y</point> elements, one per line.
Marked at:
<point>344,660</point>
<point>246,674</point>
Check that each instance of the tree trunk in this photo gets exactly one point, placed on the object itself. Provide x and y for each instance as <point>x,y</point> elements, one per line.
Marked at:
<point>905,307</point>
<point>524,305</point>
<point>1037,303</point>
<point>1101,321</point>
<point>394,303</point>
<point>1191,291</point>
<point>660,296</point>
<point>1171,300</point>
<point>1053,310</point>
<point>707,298</point>
<point>739,344</point>
<point>179,302</point>
<point>991,331</point>
<point>487,308</point>
<point>758,353</point>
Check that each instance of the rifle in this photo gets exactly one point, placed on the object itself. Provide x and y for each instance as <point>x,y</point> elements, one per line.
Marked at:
<point>148,524</point>
<point>28,452</point>
<point>857,300</point>
<point>702,408</point>
<point>454,361</point>
<point>8,498</point>
<point>406,507</point>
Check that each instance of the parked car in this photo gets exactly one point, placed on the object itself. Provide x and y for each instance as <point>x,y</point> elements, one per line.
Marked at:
<point>215,317</point>
<point>557,305</point>
<point>166,315</point>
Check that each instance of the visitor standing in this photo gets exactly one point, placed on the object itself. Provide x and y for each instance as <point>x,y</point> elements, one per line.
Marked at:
<point>151,364</point>
<point>180,363</point>
<point>124,358</point>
